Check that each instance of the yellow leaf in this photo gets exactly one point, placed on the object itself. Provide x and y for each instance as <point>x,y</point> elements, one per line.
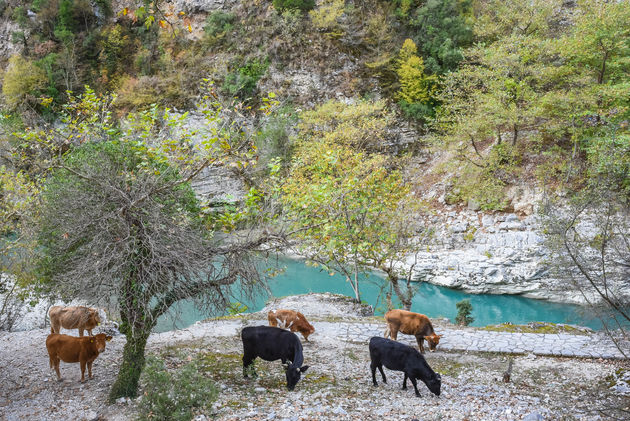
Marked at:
<point>125,11</point>
<point>189,28</point>
<point>163,24</point>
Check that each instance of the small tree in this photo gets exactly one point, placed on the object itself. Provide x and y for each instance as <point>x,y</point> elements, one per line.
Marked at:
<point>120,224</point>
<point>464,309</point>
<point>415,86</point>
<point>351,208</point>
<point>22,82</point>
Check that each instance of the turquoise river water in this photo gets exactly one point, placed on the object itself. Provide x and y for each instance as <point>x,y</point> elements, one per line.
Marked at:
<point>432,300</point>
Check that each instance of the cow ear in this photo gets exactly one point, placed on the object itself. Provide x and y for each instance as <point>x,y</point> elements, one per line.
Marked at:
<point>108,338</point>
<point>439,336</point>
<point>304,368</point>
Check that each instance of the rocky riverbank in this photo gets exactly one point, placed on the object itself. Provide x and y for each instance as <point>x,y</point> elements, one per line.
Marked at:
<point>336,387</point>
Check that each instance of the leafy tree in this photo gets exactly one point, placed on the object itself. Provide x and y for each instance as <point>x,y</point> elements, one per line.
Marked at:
<point>351,209</point>
<point>22,83</point>
<point>342,202</point>
<point>441,31</point>
<point>495,19</point>
<point>415,93</point>
<point>120,223</point>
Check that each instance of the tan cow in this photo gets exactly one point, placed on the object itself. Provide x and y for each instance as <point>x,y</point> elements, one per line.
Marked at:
<point>82,318</point>
<point>411,323</point>
<point>71,349</point>
<point>292,320</point>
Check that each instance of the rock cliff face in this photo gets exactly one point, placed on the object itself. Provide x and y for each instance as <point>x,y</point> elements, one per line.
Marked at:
<point>497,254</point>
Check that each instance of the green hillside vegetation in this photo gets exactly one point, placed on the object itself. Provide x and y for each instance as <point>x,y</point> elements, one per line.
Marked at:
<point>522,92</point>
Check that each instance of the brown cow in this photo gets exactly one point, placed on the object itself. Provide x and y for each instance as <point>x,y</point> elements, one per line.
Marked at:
<point>292,320</point>
<point>411,323</point>
<point>82,318</point>
<point>71,349</point>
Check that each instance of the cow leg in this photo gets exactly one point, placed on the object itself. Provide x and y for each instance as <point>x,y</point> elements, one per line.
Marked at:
<point>373,368</point>
<point>420,340</point>
<point>380,368</point>
<point>248,367</point>
<point>405,382</point>
<point>55,363</point>
<point>393,333</point>
<point>89,365</point>
<point>415,385</point>
<point>387,332</point>
<point>80,332</point>
<point>82,371</point>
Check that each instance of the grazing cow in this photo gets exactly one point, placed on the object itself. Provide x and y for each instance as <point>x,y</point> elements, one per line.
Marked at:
<point>71,349</point>
<point>270,344</point>
<point>411,323</point>
<point>292,320</point>
<point>401,357</point>
<point>82,318</point>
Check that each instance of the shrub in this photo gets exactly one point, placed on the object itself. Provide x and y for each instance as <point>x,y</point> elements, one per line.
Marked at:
<point>219,22</point>
<point>174,396</point>
<point>22,83</point>
<point>242,82</point>
<point>303,5</point>
<point>464,308</point>
<point>326,17</point>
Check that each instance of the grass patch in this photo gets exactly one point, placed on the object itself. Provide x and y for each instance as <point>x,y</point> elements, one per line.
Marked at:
<point>537,327</point>
<point>448,368</point>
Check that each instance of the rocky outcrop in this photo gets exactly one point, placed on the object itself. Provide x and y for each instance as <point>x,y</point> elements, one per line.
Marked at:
<point>496,254</point>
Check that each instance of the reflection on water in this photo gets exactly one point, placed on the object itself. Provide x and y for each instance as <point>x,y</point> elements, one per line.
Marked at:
<point>432,300</point>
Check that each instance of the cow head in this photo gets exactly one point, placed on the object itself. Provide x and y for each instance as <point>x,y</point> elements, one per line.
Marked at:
<point>433,341</point>
<point>434,383</point>
<point>293,374</point>
<point>308,330</point>
<point>93,317</point>
<point>100,340</point>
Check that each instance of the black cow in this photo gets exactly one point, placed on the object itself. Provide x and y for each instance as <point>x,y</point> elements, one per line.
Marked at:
<point>401,357</point>
<point>273,343</point>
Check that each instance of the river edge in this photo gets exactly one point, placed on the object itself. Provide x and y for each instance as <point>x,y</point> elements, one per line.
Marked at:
<point>337,386</point>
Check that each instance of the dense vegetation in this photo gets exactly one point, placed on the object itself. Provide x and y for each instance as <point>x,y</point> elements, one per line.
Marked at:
<point>502,93</point>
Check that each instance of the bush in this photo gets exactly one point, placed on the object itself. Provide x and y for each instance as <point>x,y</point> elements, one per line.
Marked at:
<point>303,5</point>
<point>23,82</point>
<point>242,82</point>
<point>174,396</point>
<point>464,308</point>
<point>326,17</point>
<point>219,22</point>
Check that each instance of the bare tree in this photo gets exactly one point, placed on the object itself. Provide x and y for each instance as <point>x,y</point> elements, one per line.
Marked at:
<point>590,242</point>
<point>120,225</point>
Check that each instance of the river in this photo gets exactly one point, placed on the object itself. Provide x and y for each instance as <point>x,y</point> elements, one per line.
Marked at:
<point>432,300</point>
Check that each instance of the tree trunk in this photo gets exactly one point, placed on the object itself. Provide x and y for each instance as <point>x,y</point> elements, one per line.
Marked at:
<point>405,299</point>
<point>354,283</point>
<point>126,384</point>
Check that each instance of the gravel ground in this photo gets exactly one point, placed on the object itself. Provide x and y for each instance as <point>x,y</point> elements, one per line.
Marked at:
<point>337,385</point>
